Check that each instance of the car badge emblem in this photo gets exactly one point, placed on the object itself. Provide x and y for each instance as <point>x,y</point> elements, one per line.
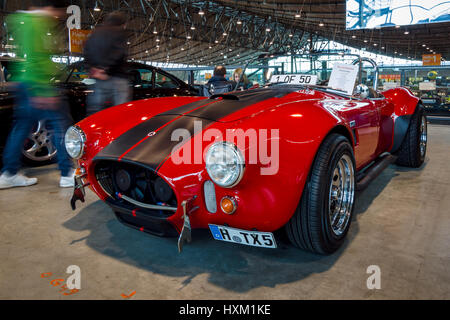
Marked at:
<point>151,134</point>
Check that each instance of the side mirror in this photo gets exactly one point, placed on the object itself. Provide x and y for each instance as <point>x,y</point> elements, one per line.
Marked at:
<point>361,91</point>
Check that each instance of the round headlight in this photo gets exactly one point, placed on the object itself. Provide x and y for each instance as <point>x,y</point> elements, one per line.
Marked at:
<point>74,141</point>
<point>225,164</point>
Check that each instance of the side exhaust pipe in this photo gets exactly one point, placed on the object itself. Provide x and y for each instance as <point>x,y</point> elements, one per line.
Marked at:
<point>374,170</point>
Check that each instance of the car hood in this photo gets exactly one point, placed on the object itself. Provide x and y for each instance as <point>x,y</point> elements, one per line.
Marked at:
<point>232,106</point>
<point>152,141</point>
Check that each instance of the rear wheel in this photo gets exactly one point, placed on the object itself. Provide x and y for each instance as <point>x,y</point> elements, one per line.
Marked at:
<point>414,146</point>
<point>323,216</point>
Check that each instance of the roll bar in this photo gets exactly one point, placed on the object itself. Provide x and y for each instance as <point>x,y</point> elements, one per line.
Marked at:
<point>360,60</point>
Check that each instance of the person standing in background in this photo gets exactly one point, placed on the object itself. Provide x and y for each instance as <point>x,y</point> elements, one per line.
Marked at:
<point>105,54</point>
<point>218,83</point>
<point>35,37</point>
<point>241,78</point>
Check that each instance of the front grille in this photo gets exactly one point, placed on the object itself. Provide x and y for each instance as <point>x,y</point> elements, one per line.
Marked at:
<point>136,182</point>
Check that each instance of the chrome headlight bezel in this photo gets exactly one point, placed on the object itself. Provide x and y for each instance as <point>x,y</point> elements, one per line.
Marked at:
<point>81,141</point>
<point>238,157</point>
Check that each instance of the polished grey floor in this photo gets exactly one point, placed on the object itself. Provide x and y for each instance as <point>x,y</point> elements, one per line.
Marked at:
<point>401,225</point>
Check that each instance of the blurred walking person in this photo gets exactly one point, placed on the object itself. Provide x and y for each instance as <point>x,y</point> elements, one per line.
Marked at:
<point>34,34</point>
<point>105,53</point>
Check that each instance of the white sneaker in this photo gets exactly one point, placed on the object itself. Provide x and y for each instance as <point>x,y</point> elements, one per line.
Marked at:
<point>67,181</point>
<point>17,180</point>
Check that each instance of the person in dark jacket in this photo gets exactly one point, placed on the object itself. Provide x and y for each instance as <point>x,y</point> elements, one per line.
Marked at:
<point>105,54</point>
<point>218,83</point>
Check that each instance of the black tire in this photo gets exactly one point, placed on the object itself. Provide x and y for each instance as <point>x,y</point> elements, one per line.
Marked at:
<point>410,153</point>
<point>310,227</point>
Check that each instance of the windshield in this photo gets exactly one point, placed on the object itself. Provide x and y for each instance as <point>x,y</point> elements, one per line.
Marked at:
<point>253,75</point>
<point>72,74</point>
<point>322,65</point>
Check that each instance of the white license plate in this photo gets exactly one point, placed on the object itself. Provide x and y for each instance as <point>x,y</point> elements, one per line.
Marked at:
<point>250,238</point>
<point>294,78</point>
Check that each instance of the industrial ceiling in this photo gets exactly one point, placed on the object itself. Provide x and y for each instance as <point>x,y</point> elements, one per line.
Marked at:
<point>231,31</point>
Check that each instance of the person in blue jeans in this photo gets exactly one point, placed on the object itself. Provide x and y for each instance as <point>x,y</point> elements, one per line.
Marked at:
<point>36,98</point>
<point>27,113</point>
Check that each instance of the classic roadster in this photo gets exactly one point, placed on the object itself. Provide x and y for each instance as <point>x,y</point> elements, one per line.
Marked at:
<point>247,163</point>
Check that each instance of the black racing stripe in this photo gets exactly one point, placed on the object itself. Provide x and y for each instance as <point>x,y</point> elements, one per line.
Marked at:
<point>221,108</point>
<point>130,138</point>
<point>187,107</point>
<point>153,151</point>
<point>156,149</point>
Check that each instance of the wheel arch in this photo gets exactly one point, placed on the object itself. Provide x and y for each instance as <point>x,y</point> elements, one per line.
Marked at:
<point>344,131</point>
<point>338,129</point>
<point>406,105</point>
<point>401,127</point>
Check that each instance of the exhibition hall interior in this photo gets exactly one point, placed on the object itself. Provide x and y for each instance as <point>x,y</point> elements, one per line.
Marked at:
<point>225,150</point>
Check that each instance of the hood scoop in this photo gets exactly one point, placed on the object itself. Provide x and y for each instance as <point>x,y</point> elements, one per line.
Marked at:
<point>224,96</point>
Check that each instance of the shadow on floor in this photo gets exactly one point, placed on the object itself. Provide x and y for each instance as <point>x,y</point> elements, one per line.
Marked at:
<point>231,266</point>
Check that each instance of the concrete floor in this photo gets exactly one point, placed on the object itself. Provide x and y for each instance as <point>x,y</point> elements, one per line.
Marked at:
<point>402,225</point>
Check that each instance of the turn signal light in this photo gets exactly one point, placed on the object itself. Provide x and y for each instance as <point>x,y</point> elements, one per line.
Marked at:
<point>228,205</point>
<point>80,171</point>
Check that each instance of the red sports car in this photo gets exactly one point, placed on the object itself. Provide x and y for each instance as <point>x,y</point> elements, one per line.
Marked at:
<point>245,164</point>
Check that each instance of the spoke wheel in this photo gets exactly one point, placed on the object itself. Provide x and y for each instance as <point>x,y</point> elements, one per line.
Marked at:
<point>341,195</point>
<point>423,136</point>
<point>39,146</point>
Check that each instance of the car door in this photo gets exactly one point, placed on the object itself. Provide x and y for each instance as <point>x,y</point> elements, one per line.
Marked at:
<point>166,85</point>
<point>363,118</point>
<point>385,111</point>
<point>141,80</point>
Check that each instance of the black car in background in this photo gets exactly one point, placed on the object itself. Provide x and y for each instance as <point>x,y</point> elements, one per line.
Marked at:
<point>146,82</point>
<point>6,102</point>
<point>435,105</point>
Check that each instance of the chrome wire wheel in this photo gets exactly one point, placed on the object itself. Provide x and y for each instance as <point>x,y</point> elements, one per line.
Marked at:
<point>39,146</point>
<point>341,195</point>
<point>423,136</point>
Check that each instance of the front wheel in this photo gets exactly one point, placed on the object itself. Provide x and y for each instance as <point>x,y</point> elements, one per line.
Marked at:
<point>323,216</point>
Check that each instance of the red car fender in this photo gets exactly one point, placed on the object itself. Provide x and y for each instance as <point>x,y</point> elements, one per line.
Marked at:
<point>265,202</point>
<point>404,100</point>
<point>405,104</point>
